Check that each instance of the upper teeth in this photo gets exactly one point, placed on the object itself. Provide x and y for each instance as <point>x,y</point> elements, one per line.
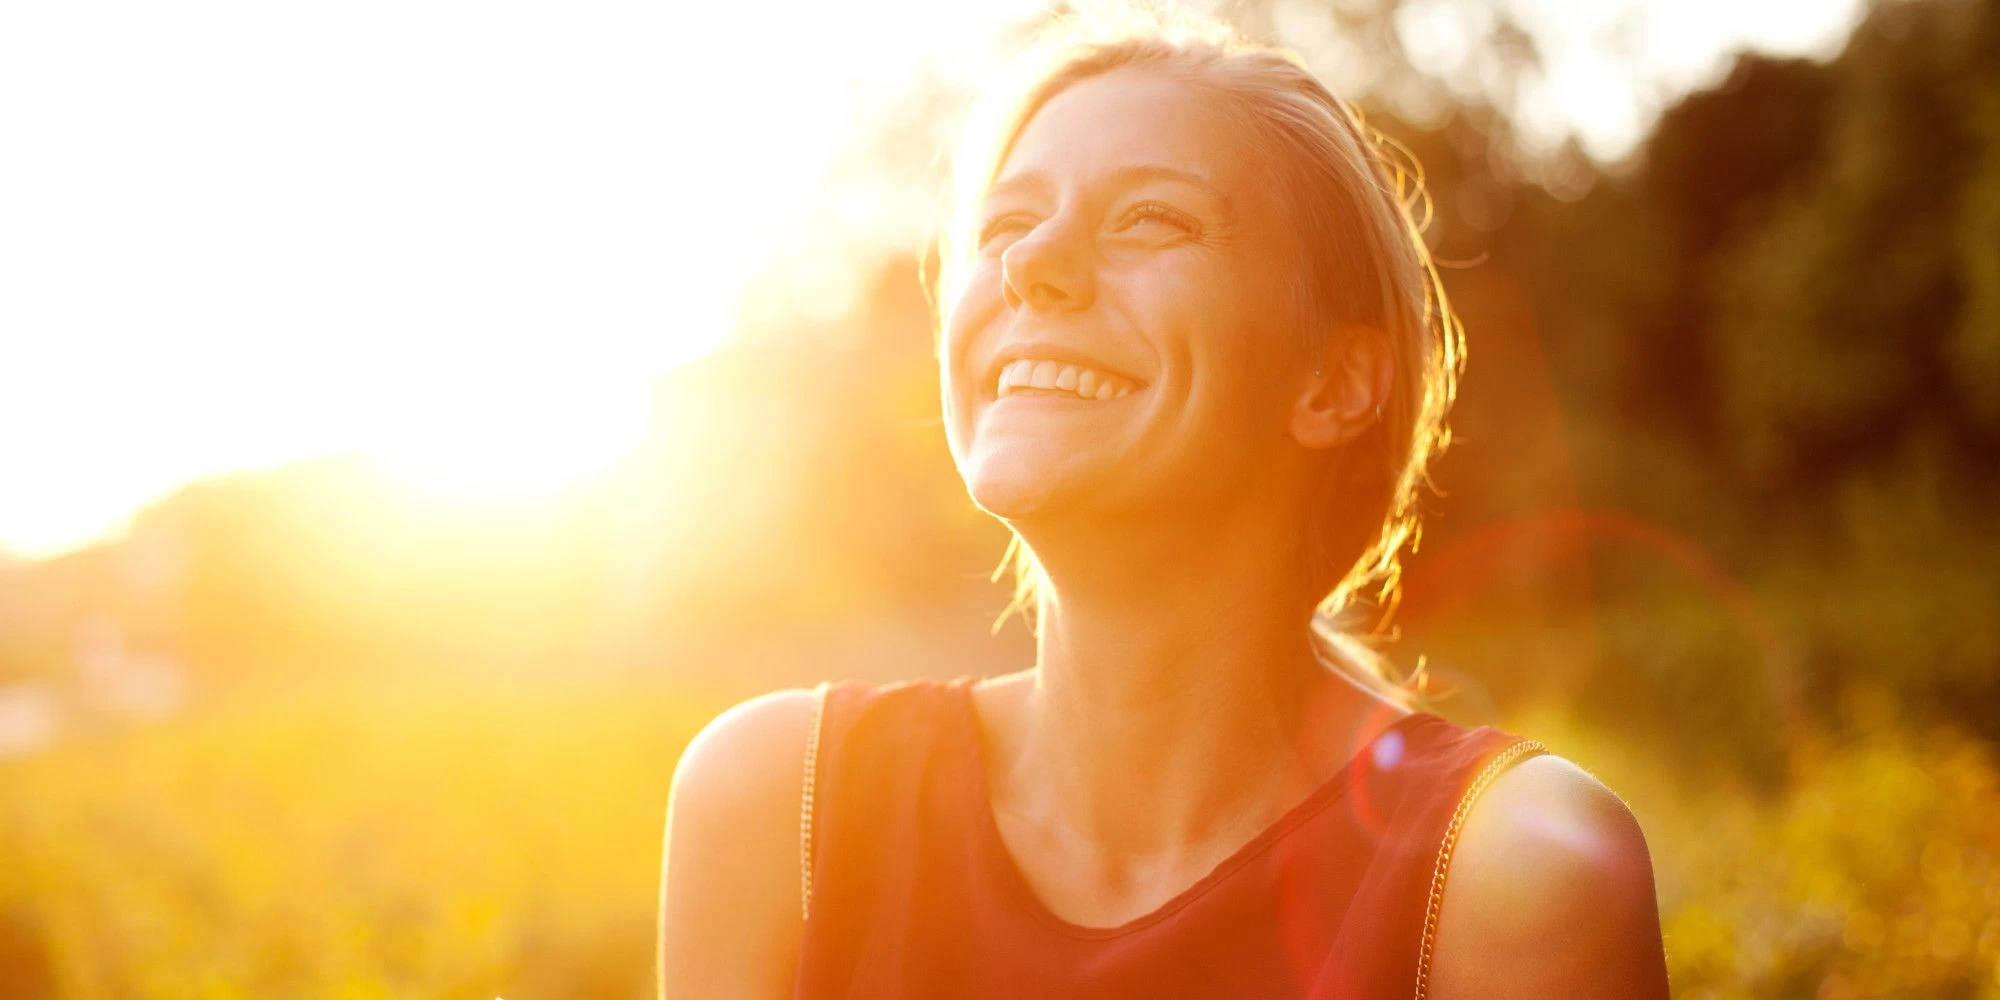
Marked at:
<point>1086,383</point>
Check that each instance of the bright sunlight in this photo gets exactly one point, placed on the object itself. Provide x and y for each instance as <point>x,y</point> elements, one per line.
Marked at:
<point>469,238</point>
<point>466,238</point>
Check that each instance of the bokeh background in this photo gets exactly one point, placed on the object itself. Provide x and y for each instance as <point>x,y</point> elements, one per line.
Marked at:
<point>416,420</point>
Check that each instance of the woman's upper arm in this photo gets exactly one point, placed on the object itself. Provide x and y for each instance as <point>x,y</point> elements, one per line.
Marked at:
<point>730,917</point>
<point>1549,893</point>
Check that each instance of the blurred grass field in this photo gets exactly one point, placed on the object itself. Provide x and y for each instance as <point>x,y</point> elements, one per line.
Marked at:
<point>369,842</point>
<point>1873,872</point>
<point>387,839</point>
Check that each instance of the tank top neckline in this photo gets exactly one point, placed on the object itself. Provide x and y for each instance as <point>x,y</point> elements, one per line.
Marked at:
<point>993,853</point>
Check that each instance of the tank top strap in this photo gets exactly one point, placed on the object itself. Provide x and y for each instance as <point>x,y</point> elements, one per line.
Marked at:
<point>1413,821</point>
<point>873,753</point>
<point>1498,751</point>
<point>808,793</point>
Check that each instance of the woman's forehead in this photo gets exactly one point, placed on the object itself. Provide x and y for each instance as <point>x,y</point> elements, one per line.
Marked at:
<point>1126,126</point>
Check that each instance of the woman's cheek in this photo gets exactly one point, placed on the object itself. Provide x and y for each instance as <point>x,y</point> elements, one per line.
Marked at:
<point>972,314</point>
<point>975,318</point>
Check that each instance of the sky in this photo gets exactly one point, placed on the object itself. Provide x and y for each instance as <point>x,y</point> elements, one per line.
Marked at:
<point>467,237</point>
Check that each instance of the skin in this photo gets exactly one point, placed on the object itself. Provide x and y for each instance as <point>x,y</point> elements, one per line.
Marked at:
<point>1176,709</point>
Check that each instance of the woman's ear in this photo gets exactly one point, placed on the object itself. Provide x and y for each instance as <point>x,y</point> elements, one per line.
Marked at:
<point>1345,394</point>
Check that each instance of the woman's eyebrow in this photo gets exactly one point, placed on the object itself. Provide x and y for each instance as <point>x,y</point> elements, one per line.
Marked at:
<point>1037,182</point>
<point>1032,182</point>
<point>1138,172</point>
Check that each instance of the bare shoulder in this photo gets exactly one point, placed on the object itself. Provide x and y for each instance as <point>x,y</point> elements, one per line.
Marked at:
<point>729,897</point>
<point>1549,893</point>
<point>748,756</point>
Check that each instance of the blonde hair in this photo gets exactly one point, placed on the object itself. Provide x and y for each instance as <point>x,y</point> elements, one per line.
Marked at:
<point>1357,196</point>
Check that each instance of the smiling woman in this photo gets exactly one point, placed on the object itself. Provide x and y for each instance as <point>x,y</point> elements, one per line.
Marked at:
<point>1194,356</point>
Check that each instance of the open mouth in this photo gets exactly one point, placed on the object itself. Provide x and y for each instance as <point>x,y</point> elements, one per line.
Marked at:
<point>1043,377</point>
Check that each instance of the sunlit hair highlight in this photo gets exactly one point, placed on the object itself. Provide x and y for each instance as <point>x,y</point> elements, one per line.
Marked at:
<point>1360,204</point>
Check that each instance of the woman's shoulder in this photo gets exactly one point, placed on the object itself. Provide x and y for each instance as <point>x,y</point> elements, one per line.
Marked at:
<point>1548,854</point>
<point>748,760</point>
<point>736,790</point>
<point>743,791</point>
<point>1547,822</point>
<point>739,755</point>
<point>729,905</point>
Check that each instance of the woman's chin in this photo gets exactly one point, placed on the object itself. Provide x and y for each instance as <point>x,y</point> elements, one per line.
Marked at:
<point>1014,489</point>
<point>1013,498</point>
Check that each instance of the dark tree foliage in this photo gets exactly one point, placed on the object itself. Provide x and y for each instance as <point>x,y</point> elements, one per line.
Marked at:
<point>1779,336</point>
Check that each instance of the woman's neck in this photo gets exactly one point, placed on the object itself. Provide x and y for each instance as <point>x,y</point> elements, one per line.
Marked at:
<point>1178,708</point>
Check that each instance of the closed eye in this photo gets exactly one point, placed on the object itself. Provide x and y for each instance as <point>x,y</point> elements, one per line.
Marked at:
<point>1012,225</point>
<point>1153,212</point>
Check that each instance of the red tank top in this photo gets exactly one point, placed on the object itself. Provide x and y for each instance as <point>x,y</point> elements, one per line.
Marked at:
<point>913,894</point>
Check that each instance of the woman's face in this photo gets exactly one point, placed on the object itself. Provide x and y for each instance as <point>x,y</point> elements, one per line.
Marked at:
<point>1124,339</point>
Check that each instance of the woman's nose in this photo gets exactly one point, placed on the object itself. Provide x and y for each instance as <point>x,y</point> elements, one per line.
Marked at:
<point>1047,269</point>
